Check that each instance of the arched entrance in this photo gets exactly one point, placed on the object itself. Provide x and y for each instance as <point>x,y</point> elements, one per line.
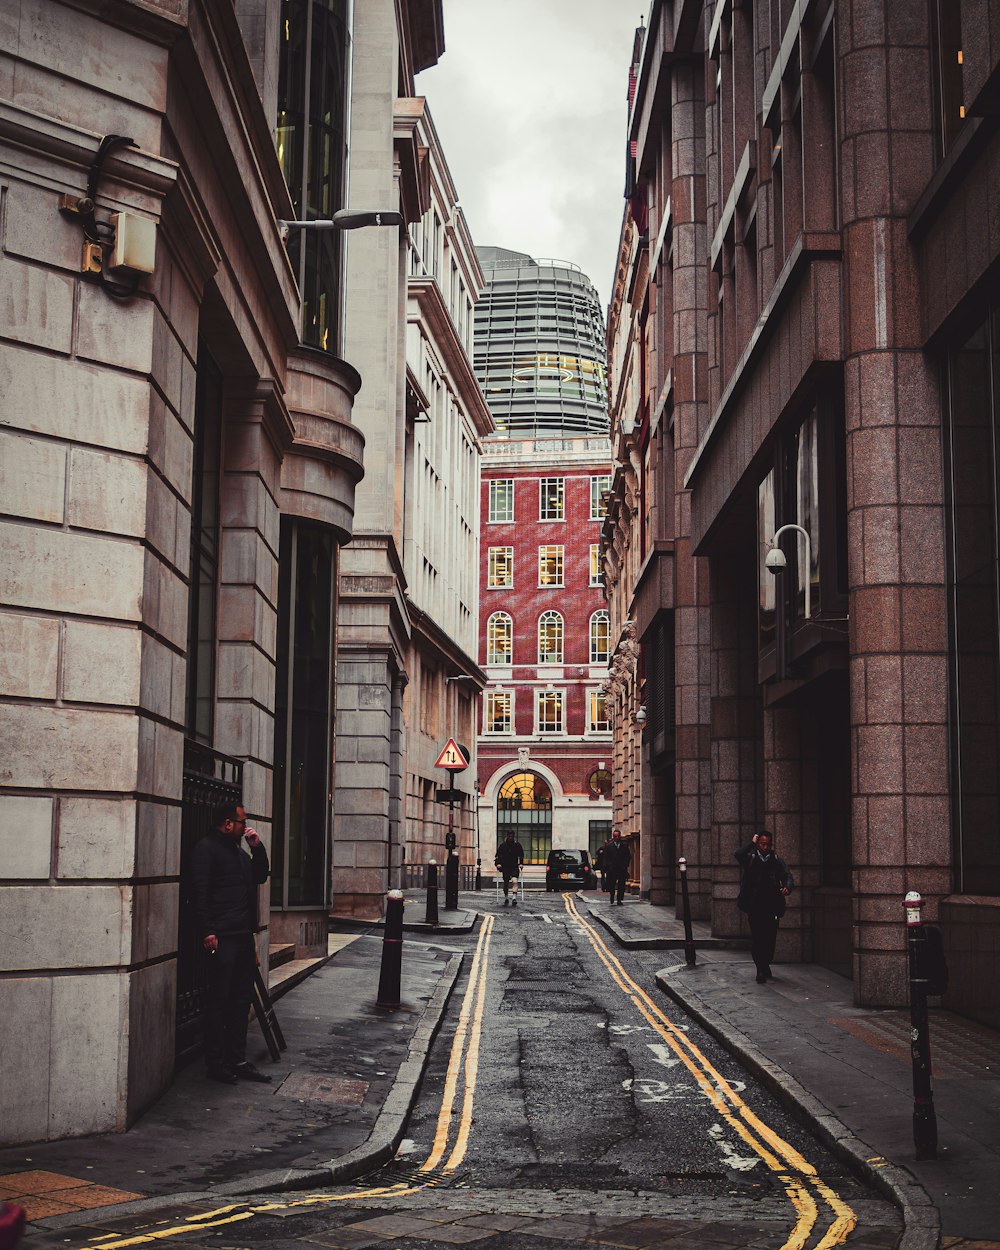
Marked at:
<point>524,808</point>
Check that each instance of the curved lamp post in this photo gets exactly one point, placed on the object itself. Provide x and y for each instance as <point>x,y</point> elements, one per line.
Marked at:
<point>775,561</point>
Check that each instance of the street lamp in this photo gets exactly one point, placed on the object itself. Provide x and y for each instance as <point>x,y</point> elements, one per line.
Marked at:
<point>775,561</point>
<point>345,219</point>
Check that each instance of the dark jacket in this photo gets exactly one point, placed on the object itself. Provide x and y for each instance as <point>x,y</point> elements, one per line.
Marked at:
<point>509,857</point>
<point>617,858</point>
<point>223,884</point>
<point>764,877</point>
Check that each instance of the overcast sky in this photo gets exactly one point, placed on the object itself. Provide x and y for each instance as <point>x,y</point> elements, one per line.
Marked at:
<point>530,102</point>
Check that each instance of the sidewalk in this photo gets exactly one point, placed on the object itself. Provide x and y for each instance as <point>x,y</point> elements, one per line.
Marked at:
<point>337,1104</point>
<point>847,1072</point>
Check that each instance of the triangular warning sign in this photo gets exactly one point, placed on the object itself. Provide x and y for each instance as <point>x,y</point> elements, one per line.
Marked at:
<point>451,757</point>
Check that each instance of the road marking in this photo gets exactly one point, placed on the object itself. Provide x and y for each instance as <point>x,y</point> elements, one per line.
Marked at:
<point>794,1171</point>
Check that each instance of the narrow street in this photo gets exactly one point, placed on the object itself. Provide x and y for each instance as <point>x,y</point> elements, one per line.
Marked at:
<point>567,1103</point>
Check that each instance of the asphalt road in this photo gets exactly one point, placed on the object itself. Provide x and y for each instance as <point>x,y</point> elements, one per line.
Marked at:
<point>567,1103</point>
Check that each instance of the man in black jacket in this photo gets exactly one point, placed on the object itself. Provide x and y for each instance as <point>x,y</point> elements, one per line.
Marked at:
<point>224,881</point>
<point>764,886</point>
<point>616,862</point>
<point>509,859</point>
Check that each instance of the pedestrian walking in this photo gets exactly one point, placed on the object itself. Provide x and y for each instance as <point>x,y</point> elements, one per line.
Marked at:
<point>599,862</point>
<point>765,884</point>
<point>616,861</point>
<point>223,884</point>
<point>509,859</point>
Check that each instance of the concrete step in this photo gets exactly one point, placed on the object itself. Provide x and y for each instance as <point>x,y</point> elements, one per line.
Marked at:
<point>280,953</point>
<point>290,974</point>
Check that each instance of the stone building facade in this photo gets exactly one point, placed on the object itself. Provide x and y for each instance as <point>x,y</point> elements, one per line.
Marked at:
<point>805,299</point>
<point>407,605</point>
<point>179,466</point>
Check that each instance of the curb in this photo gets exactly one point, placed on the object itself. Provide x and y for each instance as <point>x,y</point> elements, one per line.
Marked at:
<point>921,1219</point>
<point>380,1146</point>
<point>665,943</point>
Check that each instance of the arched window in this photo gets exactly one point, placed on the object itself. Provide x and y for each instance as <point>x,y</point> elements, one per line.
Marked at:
<point>499,638</point>
<point>600,634</point>
<point>550,638</point>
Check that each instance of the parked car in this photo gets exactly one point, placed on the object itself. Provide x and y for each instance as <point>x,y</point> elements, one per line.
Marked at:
<point>569,870</point>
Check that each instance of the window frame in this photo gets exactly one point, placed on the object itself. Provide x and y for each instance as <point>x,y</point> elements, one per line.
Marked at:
<point>559,579</point>
<point>594,726</point>
<point>551,616</point>
<point>599,615</point>
<point>491,553</point>
<point>489,704</point>
<point>545,483</point>
<point>559,695</point>
<point>493,519</point>
<point>494,619</point>
<point>598,508</point>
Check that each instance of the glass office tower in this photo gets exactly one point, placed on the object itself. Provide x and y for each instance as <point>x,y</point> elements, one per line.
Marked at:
<point>539,347</point>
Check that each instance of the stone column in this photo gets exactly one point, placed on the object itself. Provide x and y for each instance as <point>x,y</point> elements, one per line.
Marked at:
<point>896,570</point>
<point>691,610</point>
<point>736,745</point>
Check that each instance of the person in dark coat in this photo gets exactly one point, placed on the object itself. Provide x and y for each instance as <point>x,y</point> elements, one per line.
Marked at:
<point>616,861</point>
<point>223,884</point>
<point>764,886</point>
<point>599,862</point>
<point>509,858</point>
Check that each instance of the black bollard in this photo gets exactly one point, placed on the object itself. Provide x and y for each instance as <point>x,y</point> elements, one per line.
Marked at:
<point>479,874</point>
<point>451,882</point>
<point>392,951</point>
<point>432,894</point>
<point>689,955</point>
<point>924,1118</point>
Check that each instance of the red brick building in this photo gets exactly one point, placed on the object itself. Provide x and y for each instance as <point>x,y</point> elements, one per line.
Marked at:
<point>805,333</point>
<point>545,746</point>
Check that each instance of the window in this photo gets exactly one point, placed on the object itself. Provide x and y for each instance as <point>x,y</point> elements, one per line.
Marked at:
<point>311,137</point>
<point>596,571</point>
<point>550,638</point>
<point>499,638</point>
<point>204,553</point>
<point>549,707</point>
<point>500,572</point>
<point>304,714</point>
<point>946,64</point>
<point>598,719</point>
<point>550,565</point>
<point>552,499</point>
<point>498,712</point>
<point>599,487</point>
<point>502,499</point>
<point>600,636</point>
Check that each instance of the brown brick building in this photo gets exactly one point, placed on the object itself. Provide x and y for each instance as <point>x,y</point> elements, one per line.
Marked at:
<point>805,331</point>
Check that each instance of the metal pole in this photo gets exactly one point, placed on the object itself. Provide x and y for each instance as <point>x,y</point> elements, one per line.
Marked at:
<point>479,861</point>
<point>392,951</point>
<point>689,955</point>
<point>924,1118</point>
<point>432,894</point>
<point>451,863</point>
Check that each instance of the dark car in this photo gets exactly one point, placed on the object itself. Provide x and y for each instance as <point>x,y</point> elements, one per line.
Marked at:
<point>569,870</point>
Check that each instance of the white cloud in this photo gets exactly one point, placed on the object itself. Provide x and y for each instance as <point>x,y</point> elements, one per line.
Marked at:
<point>530,102</point>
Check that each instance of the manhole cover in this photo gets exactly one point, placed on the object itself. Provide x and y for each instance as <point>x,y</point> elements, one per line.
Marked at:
<point>335,1090</point>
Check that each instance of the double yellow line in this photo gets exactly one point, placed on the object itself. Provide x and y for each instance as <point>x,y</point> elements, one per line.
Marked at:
<point>798,1176</point>
<point>466,1042</point>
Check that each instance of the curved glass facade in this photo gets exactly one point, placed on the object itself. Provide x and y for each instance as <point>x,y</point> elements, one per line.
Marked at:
<point>539,347</point>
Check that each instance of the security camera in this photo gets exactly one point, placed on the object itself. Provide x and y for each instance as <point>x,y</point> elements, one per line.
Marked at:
<point>775,561</point>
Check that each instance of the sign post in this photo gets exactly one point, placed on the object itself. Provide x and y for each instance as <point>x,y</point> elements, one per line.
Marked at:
<point>453,759</point>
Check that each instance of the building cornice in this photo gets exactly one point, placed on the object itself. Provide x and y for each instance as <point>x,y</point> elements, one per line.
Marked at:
<point>435,317</point>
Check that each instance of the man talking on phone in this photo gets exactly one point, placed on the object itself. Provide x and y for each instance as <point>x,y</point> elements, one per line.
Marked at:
<point>224,881</point>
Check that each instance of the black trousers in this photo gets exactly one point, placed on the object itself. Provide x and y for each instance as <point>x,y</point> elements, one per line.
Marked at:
<point>763,935</point>
<point>228,994</point>
<point>616,884</point>
<point>508,877</point>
